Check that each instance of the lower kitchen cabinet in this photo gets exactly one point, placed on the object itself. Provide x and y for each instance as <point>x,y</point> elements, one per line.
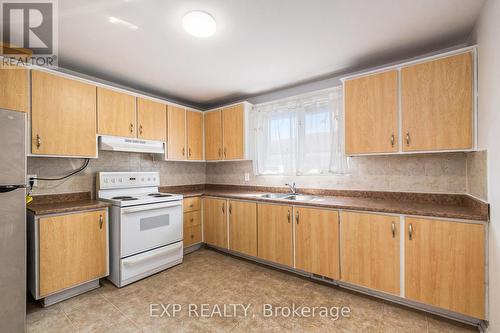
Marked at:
<point>73,249</point>
<point>445,265</point>
<point>275,233</point>
<point>317,241</point>
<point>214,222</point>
<point>192,228</point>
<point>243,227</point>
<point>369,247</point>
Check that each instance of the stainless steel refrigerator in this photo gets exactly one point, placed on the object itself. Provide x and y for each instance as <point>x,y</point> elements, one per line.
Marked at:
<point>12,221</point>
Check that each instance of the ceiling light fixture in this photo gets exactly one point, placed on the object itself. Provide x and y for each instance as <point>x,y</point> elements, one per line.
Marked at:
<point>116,20</point>
<point>199,24</point>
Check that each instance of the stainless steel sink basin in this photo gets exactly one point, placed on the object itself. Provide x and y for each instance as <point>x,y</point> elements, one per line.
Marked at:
<point>301,197</point>
<point>273,195</point>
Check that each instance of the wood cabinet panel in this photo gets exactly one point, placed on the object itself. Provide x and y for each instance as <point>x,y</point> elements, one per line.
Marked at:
<point>274,233</point>
<point>213,135</point>
<point>14,88</point>
<point>214,222</point>
<point>369,247</point>
<point>195,135</point>
<point>151,120</point>
<point>116,113</point>
<point>317,241</point>
<point>73,250</point>
<point>243,227</point>
<point>445,264</point>
<point>436,102</point>
<point>192,219</point>
<point>176,133</point>
<point>371,113</point>
<point>233,132</point>
<point>191,204</point>
<point>63,116</point>
<point>192,235</point>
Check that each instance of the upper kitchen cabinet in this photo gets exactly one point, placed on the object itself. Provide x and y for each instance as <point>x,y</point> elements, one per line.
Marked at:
<point>437,104</point>
<point>14,86</point>
<point>151,120</point>
<point>213,135</point>
<point>116,113</point>
<point>194,135</point>
<point>371,113</point>
<point>426,105</point>
<point>225,133</point>
<point>63,116</point>
<point>176,133</point>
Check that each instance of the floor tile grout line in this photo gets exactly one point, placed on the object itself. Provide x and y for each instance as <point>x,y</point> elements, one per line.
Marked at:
<point>73,324</point>
<point>122,313</point>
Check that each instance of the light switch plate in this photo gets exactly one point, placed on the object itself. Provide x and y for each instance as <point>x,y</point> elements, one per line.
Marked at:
<point>247,176</point>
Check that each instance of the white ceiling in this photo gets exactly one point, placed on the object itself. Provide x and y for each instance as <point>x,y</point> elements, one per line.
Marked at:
<point>260,45</point>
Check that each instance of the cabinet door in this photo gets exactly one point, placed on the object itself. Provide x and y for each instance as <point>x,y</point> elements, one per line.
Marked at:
<point>195,135</point>
<point>214,222</point>
<point>151,120</point>
<point>444,265</point>
<point>192,235</point>
<point>369,247</point>
<point>213,135</point>
<point>116,113</point>
<point>14,88</point>
<point>73,250</point>
<point>176,134</point>
<point>317,241</point>
<point>243,227</point>
<point>233,132</point>
<point>371,114</point>
<point>275,239</point>
<point>63,116</point>
<point>436,102</point>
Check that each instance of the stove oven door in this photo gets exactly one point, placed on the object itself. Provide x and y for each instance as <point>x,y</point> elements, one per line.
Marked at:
<point>150,226</point>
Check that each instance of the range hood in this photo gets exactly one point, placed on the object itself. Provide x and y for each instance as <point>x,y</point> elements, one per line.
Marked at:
<point>115,143</point>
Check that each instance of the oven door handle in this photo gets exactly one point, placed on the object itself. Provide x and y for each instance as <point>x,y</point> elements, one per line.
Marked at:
<point>151,207</point>
<point>166,251</point>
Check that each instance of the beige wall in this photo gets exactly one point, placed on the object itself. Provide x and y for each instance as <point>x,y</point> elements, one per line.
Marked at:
<point>417,173</point>
<point>487,35</point>
<point>171,173</point>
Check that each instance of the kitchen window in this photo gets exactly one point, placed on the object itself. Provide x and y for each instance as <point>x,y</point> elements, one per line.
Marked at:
<point>299,136</point>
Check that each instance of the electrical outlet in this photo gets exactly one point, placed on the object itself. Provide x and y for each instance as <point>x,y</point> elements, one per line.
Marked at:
<point>247,176</point>
<point>35,184</point>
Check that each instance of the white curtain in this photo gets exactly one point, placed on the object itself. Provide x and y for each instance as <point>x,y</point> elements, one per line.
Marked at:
<point>300,136</point>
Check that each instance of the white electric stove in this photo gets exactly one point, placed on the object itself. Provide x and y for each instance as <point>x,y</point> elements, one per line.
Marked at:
<point>145,225</point>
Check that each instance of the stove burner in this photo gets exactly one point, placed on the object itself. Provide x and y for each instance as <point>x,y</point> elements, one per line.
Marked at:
<point>124,198</point>
<point>159,195</point>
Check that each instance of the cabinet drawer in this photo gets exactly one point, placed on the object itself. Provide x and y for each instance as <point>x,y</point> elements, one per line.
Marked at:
<point>192,219</point>
<point>192,235</point>
<point>191,204</point>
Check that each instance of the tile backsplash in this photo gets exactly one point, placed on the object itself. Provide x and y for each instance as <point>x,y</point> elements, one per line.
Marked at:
<point>436,173</point>
<point>171,173</point>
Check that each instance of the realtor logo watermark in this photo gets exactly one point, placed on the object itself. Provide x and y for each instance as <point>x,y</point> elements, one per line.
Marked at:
<point>29,32</point>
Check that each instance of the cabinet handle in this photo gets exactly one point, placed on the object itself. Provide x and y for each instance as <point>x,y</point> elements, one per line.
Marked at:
<point>220,152</point>
<point>392,140</point>
<point>192,220</point>
<point>140,129</point>
<point>410,231</point>
<point>230,208</point>
<point>192,236</point>
<point>183,151</point>
<point>225,150</point>
<point>191,205</point>
<point>131,128</point>
<point>101,221</point>
<point>38,141</point>
<point>393,227</point>
<point>407,138</point>
<point>189,151</point>
<point>223,208</point>
<point>288,216</point>
<point>297,217</point>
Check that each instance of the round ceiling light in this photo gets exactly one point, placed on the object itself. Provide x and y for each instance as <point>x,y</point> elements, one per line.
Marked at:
<point>199,24</point>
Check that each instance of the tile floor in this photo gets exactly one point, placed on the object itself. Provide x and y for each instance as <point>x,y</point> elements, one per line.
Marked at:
<point>209,277</point>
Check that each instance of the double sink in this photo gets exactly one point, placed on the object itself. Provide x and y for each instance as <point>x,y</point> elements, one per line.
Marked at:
<point>292,197</point>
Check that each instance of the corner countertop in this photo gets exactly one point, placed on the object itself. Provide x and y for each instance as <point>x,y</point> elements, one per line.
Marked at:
<point>64,203</point>
<point>453,206</point>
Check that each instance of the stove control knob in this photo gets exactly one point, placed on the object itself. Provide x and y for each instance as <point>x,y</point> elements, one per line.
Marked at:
<point>149,179</point>
<point>120,180</point>
<point>105,180</point>
<point>112,180</point>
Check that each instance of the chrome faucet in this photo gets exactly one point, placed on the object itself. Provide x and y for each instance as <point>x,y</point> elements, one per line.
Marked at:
<point>292,187</point>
